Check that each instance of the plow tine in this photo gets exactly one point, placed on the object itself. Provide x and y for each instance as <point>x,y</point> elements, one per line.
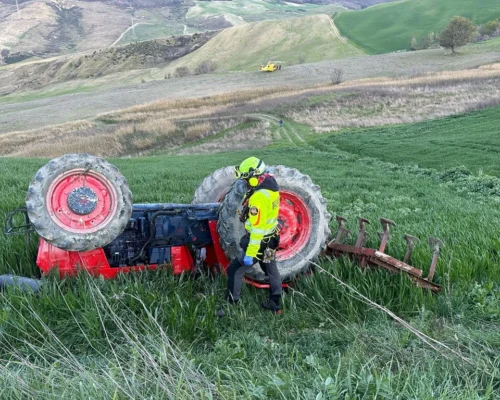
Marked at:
<point>384,236</point>
<point>342,230</point>
<point>360,241</point>
<point>410,244</point>
<point>380,236</point>
<point>435,245</point>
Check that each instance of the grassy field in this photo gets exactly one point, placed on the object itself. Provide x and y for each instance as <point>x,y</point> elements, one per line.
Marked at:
<point>241,11</point>
<point>470,140</point>
<point>153,335</point>
<point>390,27</point>
<point>150,31</point>
<point>291,41</point>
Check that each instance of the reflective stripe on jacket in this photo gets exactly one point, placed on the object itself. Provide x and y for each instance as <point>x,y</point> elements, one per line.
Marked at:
<point>262,219</point>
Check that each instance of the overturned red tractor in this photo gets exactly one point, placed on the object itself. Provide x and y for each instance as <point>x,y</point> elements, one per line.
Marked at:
<point>82,209</point>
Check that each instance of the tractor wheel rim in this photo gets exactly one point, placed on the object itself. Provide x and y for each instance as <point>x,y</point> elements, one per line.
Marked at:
<point>295,225</point>
<point>81,201</point>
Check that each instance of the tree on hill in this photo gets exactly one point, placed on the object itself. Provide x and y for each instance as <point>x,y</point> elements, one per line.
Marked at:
<point>459,32</point>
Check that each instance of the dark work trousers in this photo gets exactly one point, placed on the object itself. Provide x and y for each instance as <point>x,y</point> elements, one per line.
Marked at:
<point>236,270</point>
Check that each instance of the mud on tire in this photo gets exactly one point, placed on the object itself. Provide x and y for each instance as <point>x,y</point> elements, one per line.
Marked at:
<point>79,202</point>
<point>303,216</point>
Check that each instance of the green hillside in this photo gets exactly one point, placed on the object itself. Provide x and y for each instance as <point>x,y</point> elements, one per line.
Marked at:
<point>470,140</point>
<point>291,41</point>
<point>390,27</point>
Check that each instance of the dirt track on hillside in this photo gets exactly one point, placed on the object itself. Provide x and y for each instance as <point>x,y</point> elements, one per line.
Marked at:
<point>64,108</point>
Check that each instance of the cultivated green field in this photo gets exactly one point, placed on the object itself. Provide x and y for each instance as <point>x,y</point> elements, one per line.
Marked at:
<point>390,27</point>
<point>470,140</point>
<point>152,335</point>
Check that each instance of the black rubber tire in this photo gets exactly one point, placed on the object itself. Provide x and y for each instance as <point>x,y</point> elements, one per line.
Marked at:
<point>213,188</point>
<point>56,235</point>
<point>231,229</point>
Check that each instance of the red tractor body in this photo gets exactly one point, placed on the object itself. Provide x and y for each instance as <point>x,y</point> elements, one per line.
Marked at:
<point>134,250</point>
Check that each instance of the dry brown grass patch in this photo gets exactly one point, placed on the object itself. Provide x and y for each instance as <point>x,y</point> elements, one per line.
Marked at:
<point>187,108</point>
<point>18,142</point>
<point>198,131</point>
<point>401,101</point>
<point>105,145</point>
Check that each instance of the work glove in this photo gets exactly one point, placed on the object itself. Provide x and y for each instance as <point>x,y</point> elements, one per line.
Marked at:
<point>247,260</point>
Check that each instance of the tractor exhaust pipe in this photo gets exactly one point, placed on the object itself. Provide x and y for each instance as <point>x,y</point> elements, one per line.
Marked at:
<point>25,284</point>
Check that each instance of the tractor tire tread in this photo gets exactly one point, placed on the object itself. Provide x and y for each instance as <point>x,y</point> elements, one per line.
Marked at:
<point>44,224</point>
<point>230,229</point>
<point>214,186</point>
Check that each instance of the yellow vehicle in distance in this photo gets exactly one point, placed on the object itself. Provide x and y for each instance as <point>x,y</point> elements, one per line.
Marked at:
<point>271,66</point>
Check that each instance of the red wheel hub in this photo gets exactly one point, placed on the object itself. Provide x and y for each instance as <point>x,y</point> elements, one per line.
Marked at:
<point>295,225</point>
<point>81,201</point>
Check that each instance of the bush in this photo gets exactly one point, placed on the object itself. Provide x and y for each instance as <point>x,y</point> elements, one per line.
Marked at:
<point>413,43</point>
<point>490,28</point>
<point>205,67</point>
<point>337,76</point>
<point>182,71</point>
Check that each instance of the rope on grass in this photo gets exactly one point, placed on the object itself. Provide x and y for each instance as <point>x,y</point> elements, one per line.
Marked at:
<point>433,343</point>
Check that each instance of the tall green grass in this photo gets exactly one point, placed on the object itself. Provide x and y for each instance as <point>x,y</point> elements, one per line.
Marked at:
<point>390,27</point>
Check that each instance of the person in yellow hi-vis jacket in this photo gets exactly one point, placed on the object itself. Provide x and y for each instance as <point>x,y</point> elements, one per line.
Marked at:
<point>260,216</point>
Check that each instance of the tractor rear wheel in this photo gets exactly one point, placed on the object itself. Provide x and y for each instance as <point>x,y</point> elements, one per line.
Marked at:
<point>79,202</point>
<point>303,219</point>
<point>215,186</point>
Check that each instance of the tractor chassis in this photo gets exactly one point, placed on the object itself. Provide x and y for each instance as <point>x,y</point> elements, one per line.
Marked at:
<point>183,257</point>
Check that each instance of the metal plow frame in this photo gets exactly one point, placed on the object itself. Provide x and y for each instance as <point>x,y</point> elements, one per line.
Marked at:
<point>368,257</point>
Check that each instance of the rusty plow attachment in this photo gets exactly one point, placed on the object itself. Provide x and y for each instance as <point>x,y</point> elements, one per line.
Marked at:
<point>368,257</point>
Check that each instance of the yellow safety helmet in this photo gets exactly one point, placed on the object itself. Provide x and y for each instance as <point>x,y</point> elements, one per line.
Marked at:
<point>249,169</point>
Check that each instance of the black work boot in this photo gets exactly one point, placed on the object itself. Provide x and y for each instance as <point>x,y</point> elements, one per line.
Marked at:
<point>272,306</point>
<point>230,299</point>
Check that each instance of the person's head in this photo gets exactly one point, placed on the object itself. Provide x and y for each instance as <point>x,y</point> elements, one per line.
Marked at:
<point>250,170</point>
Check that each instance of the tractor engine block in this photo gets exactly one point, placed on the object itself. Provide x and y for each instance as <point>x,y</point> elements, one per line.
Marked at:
<point>152,231</point>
